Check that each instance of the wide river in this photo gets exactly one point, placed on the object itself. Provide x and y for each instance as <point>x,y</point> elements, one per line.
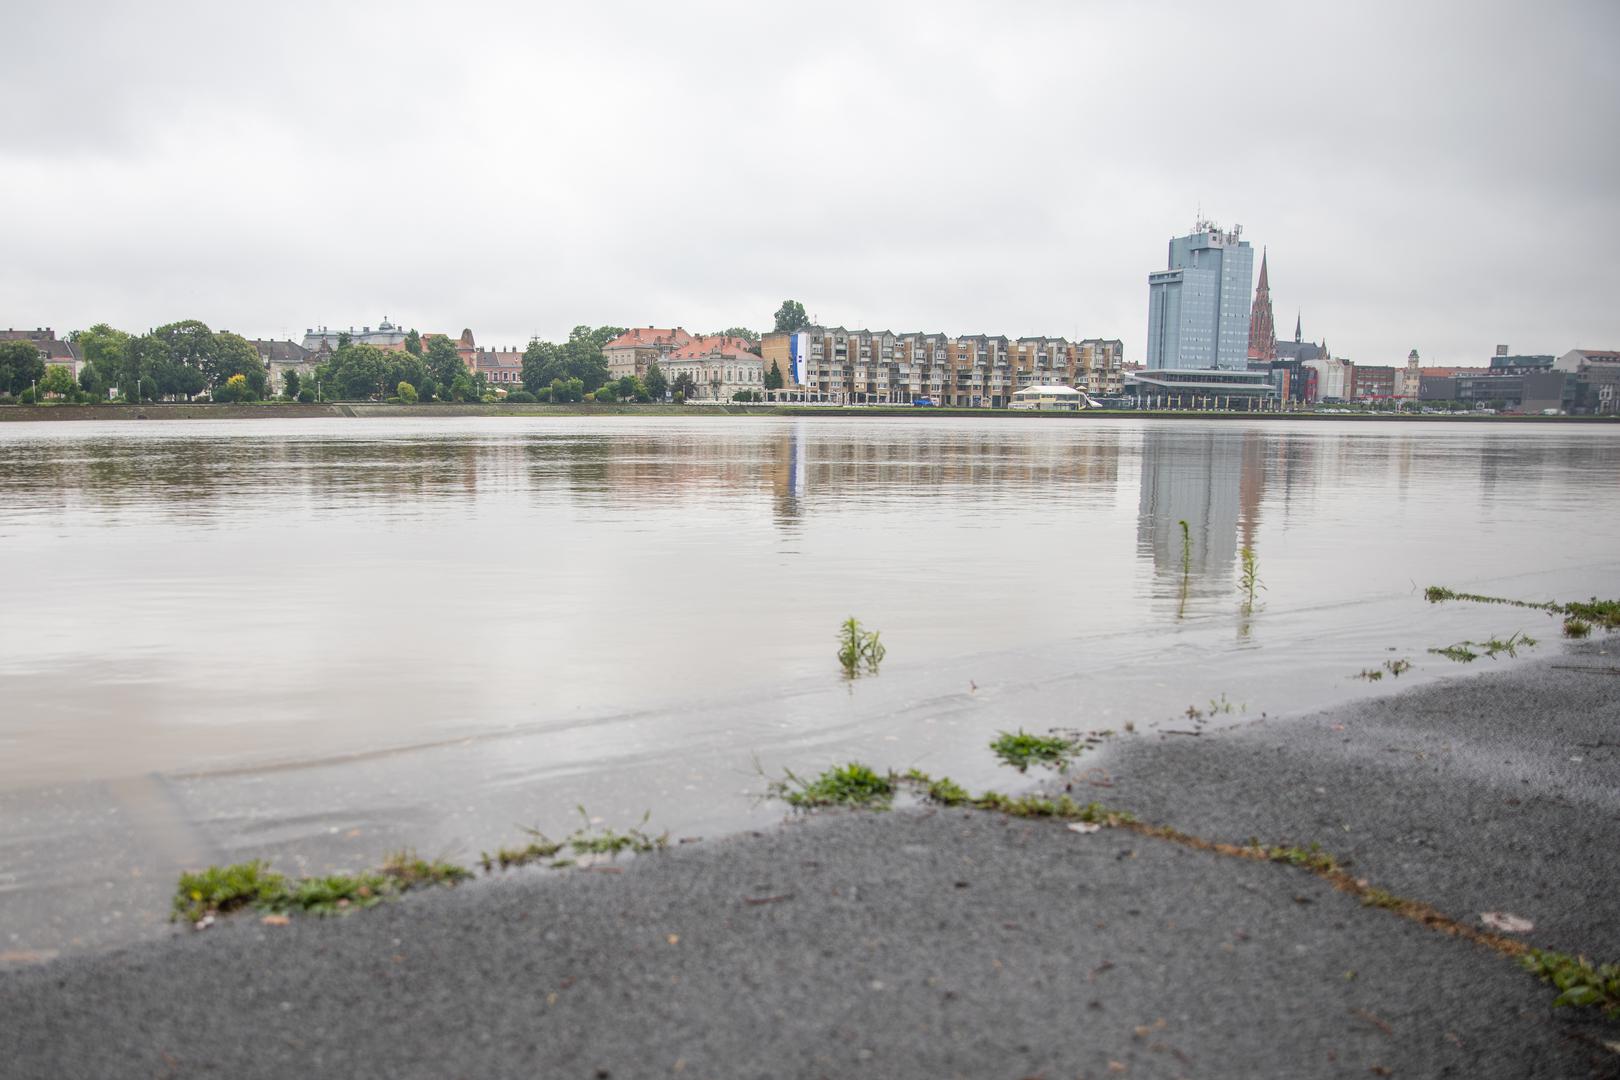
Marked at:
<point>322,640</point>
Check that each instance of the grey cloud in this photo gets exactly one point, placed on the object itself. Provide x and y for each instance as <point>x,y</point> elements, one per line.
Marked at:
<point>1429,175</point>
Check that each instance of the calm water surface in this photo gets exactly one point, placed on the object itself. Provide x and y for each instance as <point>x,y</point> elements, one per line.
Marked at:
<point>322,639</point>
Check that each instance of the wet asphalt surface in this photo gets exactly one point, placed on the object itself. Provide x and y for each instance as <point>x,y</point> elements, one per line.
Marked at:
<point>935,943</point>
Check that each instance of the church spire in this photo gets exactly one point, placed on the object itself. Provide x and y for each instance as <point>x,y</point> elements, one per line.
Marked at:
<point>1297,338</point>
<point>1262,331</point>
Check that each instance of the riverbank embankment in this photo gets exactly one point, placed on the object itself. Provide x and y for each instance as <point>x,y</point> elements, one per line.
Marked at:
<point>946,942</point>
<point>364,410</point>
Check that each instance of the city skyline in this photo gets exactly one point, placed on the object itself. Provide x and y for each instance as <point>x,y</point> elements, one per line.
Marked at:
<point>559,169</point>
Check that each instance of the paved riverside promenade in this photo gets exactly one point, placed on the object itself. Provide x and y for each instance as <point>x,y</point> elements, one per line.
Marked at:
<point>941,943</point>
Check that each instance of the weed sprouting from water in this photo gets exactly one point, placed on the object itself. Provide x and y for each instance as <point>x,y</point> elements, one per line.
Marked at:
<point>1581,983</point>
<point>1604,613</point>
<point>859,649</point>
<point>842,785</point>
<point>1576,628</point>
<point>1511,646</point>
<point>1397,668</point>
<point>1186,565</point>
<point>1020,749</point>
<point>536,849</point>
<point>1249,579</point>
<point>1459,652</point>
<point>1593,612</point>
<point>1438,594</point>
<point>606,841</point>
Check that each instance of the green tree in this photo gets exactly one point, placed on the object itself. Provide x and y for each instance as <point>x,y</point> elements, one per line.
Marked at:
<point>630,388</point>
<point>463,388</point>
<point>356,372</point>
<point>407,393</point>
<point>684,386</point>
<point>234,388</point>
<point>750,336</point>
<point>289,383</point>
<point>657,385</point>
<point>607,393</point>
<point>542,362</point>
<point>773,377</point>
<point>443,362</point>
<point>58,379</point>
<point>403,367</point>
<point>583,352</point>
<point>565,390</point>
<point>91,382</point>
<point>235,355</point>
<point>413,343</point>
<point>790,317</point>
<point>107,350</point>
<point>427,389</point>
<point>181,356</point>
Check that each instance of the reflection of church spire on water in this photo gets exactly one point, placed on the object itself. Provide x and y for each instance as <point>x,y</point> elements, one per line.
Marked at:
<point>1212,480</point>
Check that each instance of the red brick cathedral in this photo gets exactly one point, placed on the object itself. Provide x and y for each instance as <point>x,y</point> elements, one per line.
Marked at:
<point>1262,333</point>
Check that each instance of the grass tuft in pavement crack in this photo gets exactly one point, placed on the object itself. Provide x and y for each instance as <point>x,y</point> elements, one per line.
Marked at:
<point>1020,749</point>
<point>224,889</point>
<point>1581,983</point>
<point>408,871</point>
<point>220,890</point>
<point>842,785</point>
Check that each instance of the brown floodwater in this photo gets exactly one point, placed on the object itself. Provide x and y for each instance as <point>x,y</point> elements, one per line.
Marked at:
<point>319,639</point>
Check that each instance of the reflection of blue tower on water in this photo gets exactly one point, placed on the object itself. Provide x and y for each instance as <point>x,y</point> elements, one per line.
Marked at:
<point>1199,477</point>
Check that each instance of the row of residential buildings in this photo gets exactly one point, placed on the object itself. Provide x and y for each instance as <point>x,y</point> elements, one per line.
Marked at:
<point>871,367</point>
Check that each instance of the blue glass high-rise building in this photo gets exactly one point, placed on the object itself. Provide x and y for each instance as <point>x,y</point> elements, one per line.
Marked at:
<point>1198,309</point>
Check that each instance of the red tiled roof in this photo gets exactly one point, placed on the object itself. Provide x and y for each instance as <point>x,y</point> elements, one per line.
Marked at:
<point>717,345</point>
<point>649,337</point>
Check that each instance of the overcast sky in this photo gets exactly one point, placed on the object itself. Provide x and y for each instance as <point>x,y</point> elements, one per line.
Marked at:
<point>1432,175</point>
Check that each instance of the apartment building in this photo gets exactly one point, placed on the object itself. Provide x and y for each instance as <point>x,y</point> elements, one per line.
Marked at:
<point>880,367</point>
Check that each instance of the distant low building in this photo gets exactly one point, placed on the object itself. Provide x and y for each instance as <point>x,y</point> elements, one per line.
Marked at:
<point>502,367</point>
<point>1597,378</point>
<point>1048,398</point>
<point>54,351</point>
<point>1335,380</point>
<point>385,336</point>
<point>280,357</point>
<point>1372,382</point>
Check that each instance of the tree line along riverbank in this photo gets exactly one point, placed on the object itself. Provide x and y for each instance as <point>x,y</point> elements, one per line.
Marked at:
<point>353,410</point>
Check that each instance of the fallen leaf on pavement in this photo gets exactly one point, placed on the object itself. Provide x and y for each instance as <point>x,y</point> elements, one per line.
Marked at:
<point>1083,827</point>
<point>275,920</point>
<point>1508,924</point>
